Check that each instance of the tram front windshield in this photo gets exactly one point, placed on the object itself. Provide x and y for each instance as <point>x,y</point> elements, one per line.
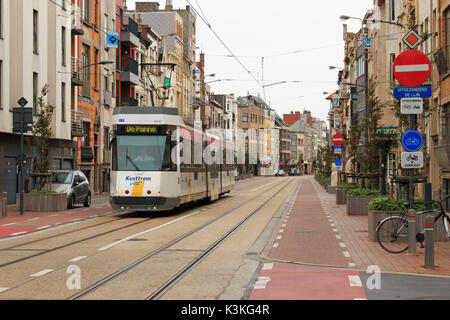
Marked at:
<point>140,153</point>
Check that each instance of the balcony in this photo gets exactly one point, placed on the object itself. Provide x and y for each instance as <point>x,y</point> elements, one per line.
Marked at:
<point>77,126</point>
<point>130,71</point>
<point>128,101</point>
<point>129,36</point>
<point>442,154</point>
<point>76,16</point>
<point>77,72</point>
<point>86,154</point>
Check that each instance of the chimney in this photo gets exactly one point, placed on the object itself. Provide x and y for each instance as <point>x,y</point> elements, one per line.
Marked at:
<point>169,6</point>
<point>147,6</point>
<point>345,32</point>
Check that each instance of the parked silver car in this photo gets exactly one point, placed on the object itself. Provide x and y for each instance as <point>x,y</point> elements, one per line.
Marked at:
<point>73,183</point>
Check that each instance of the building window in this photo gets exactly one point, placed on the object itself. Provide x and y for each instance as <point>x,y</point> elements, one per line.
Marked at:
<point>63,45</point>
<point>35,31</point>
<point>63,102</point>
<point>96,67</point>
<point>86,10</point>
<point>391,69</point>
<point>1,20</point>
<point>393,10</point>
<point>245,117</point>
<point>447,35</point>
<point>1,84</point>
<point>35,91</point>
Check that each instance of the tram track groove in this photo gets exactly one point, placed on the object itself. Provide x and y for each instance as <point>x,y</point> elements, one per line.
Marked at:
<point>90,289</point>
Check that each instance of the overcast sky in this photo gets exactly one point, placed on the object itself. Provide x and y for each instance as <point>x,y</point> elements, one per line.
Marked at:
<point>261,28</point>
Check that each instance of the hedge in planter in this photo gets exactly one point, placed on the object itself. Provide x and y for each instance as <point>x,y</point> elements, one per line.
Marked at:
<point>341,192</point>
<point>358,200</point>
<point>383,207</point>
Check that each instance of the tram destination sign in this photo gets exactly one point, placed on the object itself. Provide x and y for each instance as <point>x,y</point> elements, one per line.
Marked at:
<point>140,129</point>
<point>412,92</point>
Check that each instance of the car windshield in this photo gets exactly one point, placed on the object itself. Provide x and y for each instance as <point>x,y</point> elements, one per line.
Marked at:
<point>62,177</point>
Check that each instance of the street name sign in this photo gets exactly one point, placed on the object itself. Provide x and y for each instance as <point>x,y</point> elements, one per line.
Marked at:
<point>341,146</point>
<point>412,141</point>
<point>412,160</point>
<point>337,139</point>
<point>412,92</point>
<point>411,106</point>
<point>412,68</point>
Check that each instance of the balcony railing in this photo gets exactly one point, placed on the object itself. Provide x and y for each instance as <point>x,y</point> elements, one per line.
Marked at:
<point>77,126</point>
<point>77,72</point>
<point>77,15</point>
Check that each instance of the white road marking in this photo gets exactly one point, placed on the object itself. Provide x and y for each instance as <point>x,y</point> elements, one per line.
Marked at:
<point>8,224</point>
<point>41,273</point>
<point>33,219</point>
<point>3,289</point>
<point>17,233</point>
<point>267,266</point>
<point>146,231</point>
<point>261,283</point>
<point>351,264</point>
<point>355,281</point>
<point>335,230</point>
<point>78,258</point>
<point>281,230</point>
<point>40,228</point>
<point>346,254</point>
<point>54,215</point>
<point>283,225</point>
<point>332,224</point>
<point>275,245</point>
<point>278,237</point>
<point>342,245</point>
<point>338,236</point>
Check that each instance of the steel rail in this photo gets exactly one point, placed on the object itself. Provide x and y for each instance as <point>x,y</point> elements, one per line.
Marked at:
<point>116,274</point>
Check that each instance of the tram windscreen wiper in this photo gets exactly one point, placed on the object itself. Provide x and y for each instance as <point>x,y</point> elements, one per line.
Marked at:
<point>132,162</point>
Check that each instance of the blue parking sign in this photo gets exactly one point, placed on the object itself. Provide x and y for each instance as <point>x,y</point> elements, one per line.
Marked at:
<point>112,40</point>
<point>412,140</point>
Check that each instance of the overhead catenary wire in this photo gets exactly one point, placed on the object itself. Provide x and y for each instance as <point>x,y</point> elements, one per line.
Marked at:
<point>224,44</point>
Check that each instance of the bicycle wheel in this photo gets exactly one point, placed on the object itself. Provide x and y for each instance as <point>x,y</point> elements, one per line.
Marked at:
<point>392,234</point>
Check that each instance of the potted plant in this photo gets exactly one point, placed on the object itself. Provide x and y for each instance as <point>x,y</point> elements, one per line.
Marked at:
<point>341,192</point>
<point>383,207</point>
<point>358,200</point>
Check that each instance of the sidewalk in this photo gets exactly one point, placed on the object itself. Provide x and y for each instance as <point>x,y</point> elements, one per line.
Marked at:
<point>319,252</point>
<point>14,224</point>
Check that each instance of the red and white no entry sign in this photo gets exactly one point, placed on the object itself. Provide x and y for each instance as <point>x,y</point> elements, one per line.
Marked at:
<point>337,139</point>
<point>412,68</point>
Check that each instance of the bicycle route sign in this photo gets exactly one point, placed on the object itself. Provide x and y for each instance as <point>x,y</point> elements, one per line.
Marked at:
<point>412,160</point>
<point>412,141</point>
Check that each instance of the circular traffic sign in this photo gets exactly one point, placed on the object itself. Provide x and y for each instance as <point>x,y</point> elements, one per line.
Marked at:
<point>412,68</point>
<point>412,140</point>
<point>338,162</point>
<point>337,139</point>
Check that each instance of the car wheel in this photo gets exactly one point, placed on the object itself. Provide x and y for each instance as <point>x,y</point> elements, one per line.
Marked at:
<point>71,202</point>
<point>87,203</point>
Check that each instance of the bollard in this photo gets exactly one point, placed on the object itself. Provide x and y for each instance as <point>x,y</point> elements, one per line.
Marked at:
<point>411,231</point>
<point>429,241</point>
<point>4,203</point>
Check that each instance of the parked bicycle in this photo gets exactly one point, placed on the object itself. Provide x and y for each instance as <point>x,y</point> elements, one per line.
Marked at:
<point>392,232</point>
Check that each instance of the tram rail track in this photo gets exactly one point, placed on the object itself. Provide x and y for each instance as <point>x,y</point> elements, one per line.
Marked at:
<point>180,274</point>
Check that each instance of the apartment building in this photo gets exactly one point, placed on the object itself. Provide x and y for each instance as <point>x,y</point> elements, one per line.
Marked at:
<point>34,51</point>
